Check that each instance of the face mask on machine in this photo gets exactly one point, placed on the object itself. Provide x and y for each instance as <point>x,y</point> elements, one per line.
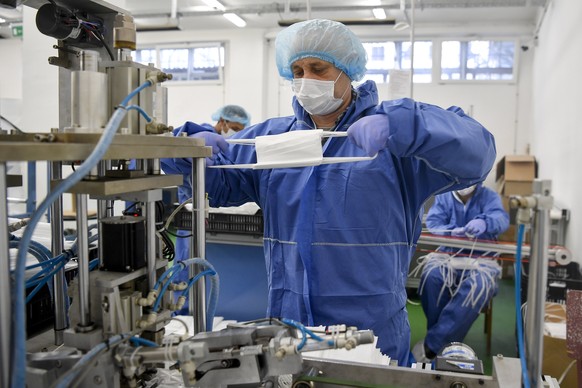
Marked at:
<point>467,191</point>
<point>316,96</point>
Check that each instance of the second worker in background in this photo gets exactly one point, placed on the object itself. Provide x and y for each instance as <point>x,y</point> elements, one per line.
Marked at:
<point>457,283</point>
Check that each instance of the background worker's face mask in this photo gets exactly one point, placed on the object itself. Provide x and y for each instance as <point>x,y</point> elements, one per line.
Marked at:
<point>467,191</point>
<point>316,96</point>
<point>229,132</point>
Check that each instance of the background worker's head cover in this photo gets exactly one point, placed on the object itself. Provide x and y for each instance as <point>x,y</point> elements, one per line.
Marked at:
<point>232,113</point>
<point>330,41</point>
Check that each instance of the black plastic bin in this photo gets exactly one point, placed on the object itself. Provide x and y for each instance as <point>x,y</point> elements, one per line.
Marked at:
<point>224,223</point>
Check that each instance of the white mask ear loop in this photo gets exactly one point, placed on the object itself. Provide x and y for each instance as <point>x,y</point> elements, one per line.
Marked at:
<point>348,88</point>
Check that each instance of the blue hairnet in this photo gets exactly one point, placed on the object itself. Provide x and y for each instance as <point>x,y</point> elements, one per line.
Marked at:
<point>232,113</point>
<point>324,39</point>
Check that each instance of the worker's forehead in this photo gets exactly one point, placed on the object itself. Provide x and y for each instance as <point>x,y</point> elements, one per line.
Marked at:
<point>310,62</point>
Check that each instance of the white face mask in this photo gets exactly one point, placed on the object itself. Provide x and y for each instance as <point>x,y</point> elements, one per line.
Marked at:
<point>228,133</point>
<point>316,96</point>
<point>467,191</point>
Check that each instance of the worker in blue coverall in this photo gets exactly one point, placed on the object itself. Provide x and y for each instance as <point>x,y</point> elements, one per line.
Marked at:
<point>338,237</point>
<point>230,119</point>
<point>455,287</point>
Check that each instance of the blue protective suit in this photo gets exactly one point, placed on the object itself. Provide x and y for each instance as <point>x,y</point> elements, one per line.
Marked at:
<point>338,238</point>
<point>451,313</point>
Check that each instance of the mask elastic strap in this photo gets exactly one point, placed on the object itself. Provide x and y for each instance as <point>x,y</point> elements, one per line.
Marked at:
<point>348,88</point>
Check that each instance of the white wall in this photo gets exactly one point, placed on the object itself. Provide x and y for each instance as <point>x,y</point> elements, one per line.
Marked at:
<point>556,106</point>
<point>11,68</point>
<point>243,79</point>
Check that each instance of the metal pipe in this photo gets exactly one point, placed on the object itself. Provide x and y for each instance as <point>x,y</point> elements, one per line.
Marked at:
<point>151,242</point>
<point>504,248</point>
<point>31,187</point>
<point>83,254</point>
<point>197,294</point>
<point>536,294</point>
<point>412,41</point>
<point>5,307</point>
<point>57,246</point>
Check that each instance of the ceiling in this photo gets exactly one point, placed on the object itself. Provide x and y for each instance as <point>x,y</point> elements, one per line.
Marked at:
<point>267,14</point>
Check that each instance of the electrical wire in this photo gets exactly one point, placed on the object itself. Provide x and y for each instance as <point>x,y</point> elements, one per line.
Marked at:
<point>143,342</point>
<point>42,283</point>
<point>19,318</point>
<point>141,111</point>
<point>76,374</point>
<point>173,214</point>
<point>195,279</point>
<point>565,373</point>
<point>99,36</point>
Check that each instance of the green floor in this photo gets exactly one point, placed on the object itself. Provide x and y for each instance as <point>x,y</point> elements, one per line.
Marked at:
<point>503,331</point>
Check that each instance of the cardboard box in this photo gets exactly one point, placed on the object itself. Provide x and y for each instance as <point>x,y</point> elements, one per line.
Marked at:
<point>516,168</point>
<point>555,357</point>
<point>510,235</point>
<point>517,188</point>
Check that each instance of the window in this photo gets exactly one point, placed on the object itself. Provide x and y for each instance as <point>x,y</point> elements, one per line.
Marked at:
<point>384,56</point>
<point>477,60</point>
<point>187,63</point>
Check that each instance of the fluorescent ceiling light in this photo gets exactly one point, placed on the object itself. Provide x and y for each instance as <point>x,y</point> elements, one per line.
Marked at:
<point>401,26</point>
<point>214,4</point>
<point>379,13</point>
<point>2,20</point>
<point>235,19</point>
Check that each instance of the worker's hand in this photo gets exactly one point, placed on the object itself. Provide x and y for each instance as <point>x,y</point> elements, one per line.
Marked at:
<point>458,232</point>
<point>215,141</point>
<point>370,133</point>
<point>189,128</point>
<point>476,227</point>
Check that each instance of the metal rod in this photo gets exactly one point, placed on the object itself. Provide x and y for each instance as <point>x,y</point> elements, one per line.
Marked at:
<point>83,244</point>
<point>104,207</point>
<point>197,294</point>
<point>151,242</point>
<point>5,307</point>
<point>31,187</point>
<point>506,248</point>
<point>60,307</point>
<point>536,295</point>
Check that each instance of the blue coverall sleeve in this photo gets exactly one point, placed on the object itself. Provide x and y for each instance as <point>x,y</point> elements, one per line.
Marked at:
<point>183,166</point>
<point>450,142</point>
<point>494,214</point>
<point>438,218</point>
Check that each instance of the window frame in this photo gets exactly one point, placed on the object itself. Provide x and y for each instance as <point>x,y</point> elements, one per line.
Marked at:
<point>398,41</point>
<point>438,65</point>
<point>437,56</point>
<point>222,45</point>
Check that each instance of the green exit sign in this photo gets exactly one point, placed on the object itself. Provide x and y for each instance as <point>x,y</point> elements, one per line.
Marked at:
<point>16,31</point>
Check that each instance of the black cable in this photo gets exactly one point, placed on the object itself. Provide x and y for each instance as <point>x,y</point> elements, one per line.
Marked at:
<point>99,36</point>
<point>128,208</point>
<point>168,252</point>
<point>102,39</point>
